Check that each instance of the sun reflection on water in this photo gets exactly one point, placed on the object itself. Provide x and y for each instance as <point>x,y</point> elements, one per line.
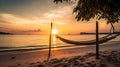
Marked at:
<point>54,39</point>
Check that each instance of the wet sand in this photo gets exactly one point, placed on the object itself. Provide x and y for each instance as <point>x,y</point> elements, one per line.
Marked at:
<point>75,56</point>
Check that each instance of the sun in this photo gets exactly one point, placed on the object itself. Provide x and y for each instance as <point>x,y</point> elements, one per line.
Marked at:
<point>54,31</point>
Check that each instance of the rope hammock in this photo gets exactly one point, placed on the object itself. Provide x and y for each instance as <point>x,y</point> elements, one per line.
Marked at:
<point>104,39</point>
<point>90,42</point>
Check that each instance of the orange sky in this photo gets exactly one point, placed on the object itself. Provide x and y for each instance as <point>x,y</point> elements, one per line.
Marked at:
<point>34,17</point>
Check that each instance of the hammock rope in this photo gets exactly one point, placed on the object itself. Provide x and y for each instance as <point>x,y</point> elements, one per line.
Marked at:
<point>90,42</point>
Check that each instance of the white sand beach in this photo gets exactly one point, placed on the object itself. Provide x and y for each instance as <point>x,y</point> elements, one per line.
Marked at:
<point>36,58</point>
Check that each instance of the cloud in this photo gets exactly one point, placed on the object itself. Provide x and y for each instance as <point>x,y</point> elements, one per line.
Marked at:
<point>16,20</point>
<point>61,15</point>
<point>52,15</point>
<point>36,30</point>
<point>3,21</point>
<point>59,12</point>
<point>15,23</point>
<point>56,16</point>
<point>35,20</point>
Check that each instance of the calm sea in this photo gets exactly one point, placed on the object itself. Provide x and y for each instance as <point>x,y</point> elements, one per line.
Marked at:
<point>20,42</point>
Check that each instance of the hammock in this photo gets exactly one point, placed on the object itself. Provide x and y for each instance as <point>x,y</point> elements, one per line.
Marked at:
<point>90,42</point>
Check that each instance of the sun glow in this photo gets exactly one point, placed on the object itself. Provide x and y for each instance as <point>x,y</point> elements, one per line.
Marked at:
<point>54,31</point>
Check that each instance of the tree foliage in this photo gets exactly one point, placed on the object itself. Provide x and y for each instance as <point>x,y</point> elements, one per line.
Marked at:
<point>102,9</point>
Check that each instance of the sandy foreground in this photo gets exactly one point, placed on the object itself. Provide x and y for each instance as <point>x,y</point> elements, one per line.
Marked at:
<point>75,56</point>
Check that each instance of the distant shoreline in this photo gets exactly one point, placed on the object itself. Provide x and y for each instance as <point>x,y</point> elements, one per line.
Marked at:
<point>87,33</point>
<point>5,33</point>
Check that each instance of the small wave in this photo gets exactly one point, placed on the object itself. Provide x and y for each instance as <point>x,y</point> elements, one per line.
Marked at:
<point>21,48</point>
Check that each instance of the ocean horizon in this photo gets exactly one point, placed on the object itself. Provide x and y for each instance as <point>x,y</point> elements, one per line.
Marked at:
<point>34,42</point>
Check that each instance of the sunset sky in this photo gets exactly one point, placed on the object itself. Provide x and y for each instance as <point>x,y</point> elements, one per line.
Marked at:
<point>34,17</point>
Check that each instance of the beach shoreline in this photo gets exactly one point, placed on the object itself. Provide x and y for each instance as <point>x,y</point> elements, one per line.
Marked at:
<point>24,58</point>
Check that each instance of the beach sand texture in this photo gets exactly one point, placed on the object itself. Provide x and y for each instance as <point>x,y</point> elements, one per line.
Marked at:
<point>64,57</point>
